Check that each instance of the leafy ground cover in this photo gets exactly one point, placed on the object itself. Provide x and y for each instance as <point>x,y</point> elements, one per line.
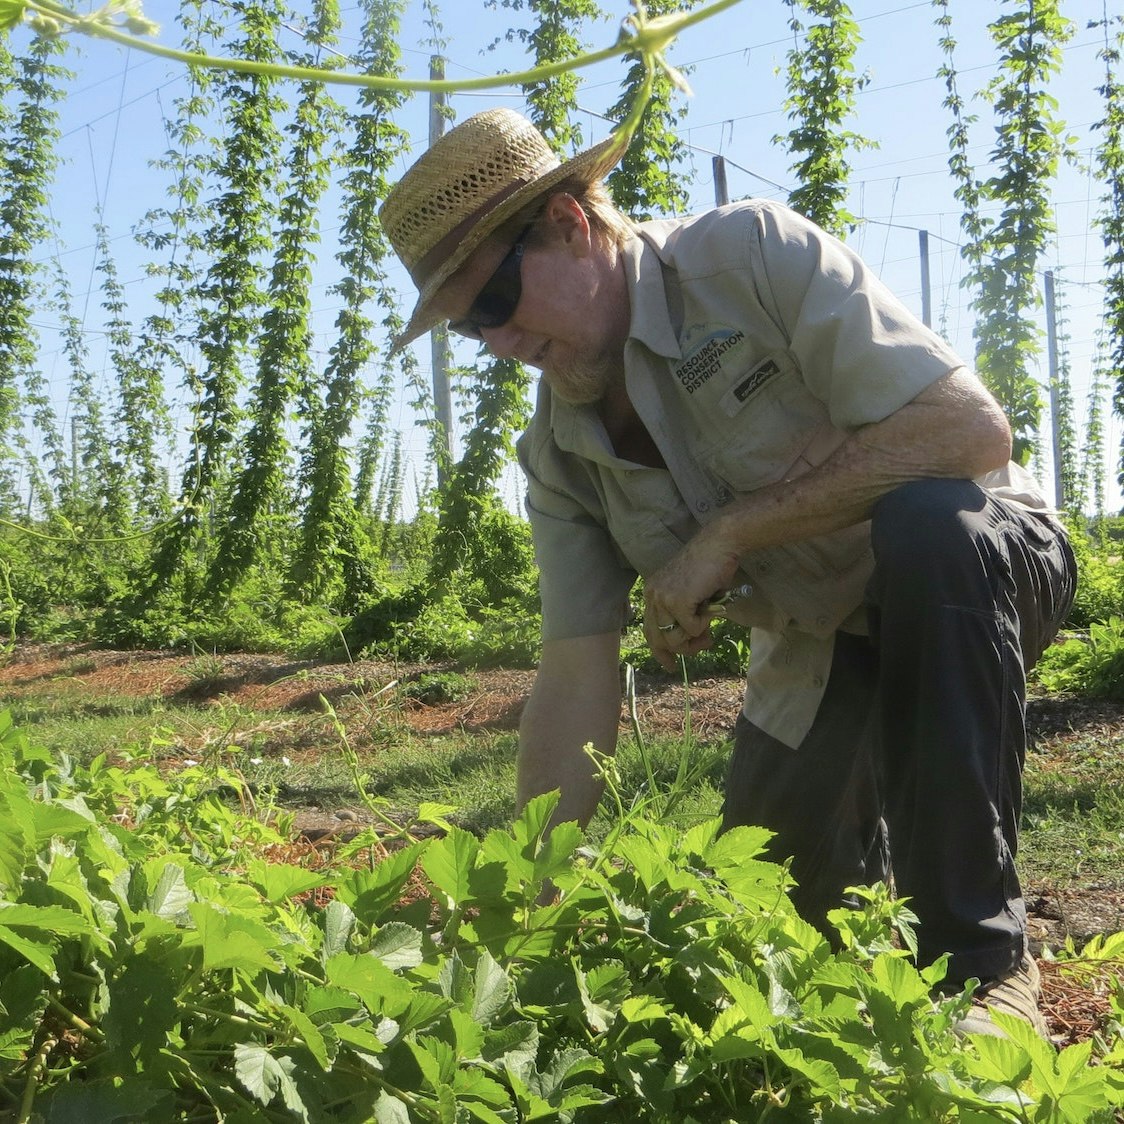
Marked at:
<point>436,732</point>
<point>161,961</point>
<point>446,736</point>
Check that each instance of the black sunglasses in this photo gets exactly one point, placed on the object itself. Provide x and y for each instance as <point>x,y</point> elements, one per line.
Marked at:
<point>496,302</point>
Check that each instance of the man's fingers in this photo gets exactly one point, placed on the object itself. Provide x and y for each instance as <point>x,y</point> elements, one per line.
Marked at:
<point>669,639</point>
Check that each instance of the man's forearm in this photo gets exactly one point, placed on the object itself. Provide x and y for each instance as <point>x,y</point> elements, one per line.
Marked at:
<point>576,700</point>
<point>952,429</point>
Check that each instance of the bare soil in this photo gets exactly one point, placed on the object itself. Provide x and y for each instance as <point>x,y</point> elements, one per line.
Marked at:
<point>494,701</point>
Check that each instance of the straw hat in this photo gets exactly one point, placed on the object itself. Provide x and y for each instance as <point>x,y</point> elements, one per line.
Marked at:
<point>467,185</point>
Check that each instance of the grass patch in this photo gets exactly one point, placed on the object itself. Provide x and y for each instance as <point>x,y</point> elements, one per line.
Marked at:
<point>473,772</point>
<point>87,728</point>
<point>476,774</point>
<point>687,772</point>
<point>1073,810</point>
<point>129,727</point>
<point>1073,818</point>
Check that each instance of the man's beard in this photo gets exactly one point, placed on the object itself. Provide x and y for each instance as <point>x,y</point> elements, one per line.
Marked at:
<point>581,381</point>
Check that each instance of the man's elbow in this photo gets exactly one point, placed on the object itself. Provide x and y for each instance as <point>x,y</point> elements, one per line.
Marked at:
<point>992,441</point>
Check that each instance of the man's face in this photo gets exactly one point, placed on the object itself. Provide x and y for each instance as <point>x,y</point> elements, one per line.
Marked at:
<point>557,302</point>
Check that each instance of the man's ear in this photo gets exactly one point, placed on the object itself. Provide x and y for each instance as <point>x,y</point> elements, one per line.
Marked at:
<point>568,221</point>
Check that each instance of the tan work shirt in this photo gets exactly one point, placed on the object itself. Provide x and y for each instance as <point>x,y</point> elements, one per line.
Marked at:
<point>757,344</point>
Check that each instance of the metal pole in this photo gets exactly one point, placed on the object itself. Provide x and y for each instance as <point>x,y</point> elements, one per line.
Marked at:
<point>926,297</point>
<point>721,193</point>
<point>439,341</point>
<point>1055,410</point>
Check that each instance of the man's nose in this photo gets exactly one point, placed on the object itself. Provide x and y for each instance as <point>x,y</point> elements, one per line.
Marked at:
<point>502,342</point>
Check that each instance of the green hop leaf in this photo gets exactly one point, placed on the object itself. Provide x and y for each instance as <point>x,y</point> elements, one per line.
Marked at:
<point>11,13</point>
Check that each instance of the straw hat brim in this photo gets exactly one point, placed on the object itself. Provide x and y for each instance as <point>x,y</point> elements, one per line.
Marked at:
<point>590,166</point>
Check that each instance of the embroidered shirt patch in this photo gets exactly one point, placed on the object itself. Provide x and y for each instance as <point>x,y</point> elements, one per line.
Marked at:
<point>705,361</point>
<point>748,385</point>
<point>756,378</point>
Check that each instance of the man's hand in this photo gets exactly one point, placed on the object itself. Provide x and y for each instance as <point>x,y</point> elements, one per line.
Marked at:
<point>675,598</point>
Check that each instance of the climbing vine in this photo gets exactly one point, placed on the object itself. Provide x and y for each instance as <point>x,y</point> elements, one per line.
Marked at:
<point>822,86</point>
<point>174,234</point>
<point>554,37</point>
<point>968,188</point>
<point>649,181</point>
<point>284,363</point>
<point>229,297</point>
<point>473,536</point>
<point>27,165</point>
<point>329,563</point>
<point>1091,480</point>
<point>1067,469</point>
<point>1003,256</point>
<point>1109,162</point>
<point>136,483</point>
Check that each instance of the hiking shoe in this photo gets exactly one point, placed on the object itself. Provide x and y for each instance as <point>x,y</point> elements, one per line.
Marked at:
<point>1014,994</point>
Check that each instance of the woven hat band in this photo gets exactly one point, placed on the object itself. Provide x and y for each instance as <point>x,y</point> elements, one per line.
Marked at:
<point>438,253</point>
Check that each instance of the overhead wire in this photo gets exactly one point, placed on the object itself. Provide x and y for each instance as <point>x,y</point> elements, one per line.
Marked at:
<point>726,124</point>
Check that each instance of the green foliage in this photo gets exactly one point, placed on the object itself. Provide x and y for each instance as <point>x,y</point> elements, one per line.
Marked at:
<point>555,38</point>
<point>420,625</point>
<point>968,188</point>
<point>332,561</point>
<point>1109,530</point>
<point>1066,448</point>
<point>1092,476</point>
<point>256,617</point>
<point>229,298</point>
<point>476,537</point>
<point>152,962</point>
<point>27,164</point>
<point>284,360</point>
<point>1003,253</point>
<point>62,573</point>
<point>1089,665</point>
<point>1100,579</point>
<point>822,86</point>
<point>133,485</point>
<point>1109,161</point>
<point>434,688</point>
<point>647,183</point>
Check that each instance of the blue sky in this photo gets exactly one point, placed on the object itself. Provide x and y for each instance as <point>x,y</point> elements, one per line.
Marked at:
<point>112,126</point>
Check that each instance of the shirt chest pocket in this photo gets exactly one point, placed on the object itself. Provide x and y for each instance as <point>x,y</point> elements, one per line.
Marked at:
<point>647,538</point>
<point>764,423</point>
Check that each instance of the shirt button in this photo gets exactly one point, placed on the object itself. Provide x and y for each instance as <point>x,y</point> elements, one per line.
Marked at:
<point>763,567</point>
<point>702,506</point>
<point>724,496</point>
<point>817,680</point>
<point>821,622</point>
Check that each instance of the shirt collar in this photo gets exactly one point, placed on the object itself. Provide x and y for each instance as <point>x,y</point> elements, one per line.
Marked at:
<point>644,267</point>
